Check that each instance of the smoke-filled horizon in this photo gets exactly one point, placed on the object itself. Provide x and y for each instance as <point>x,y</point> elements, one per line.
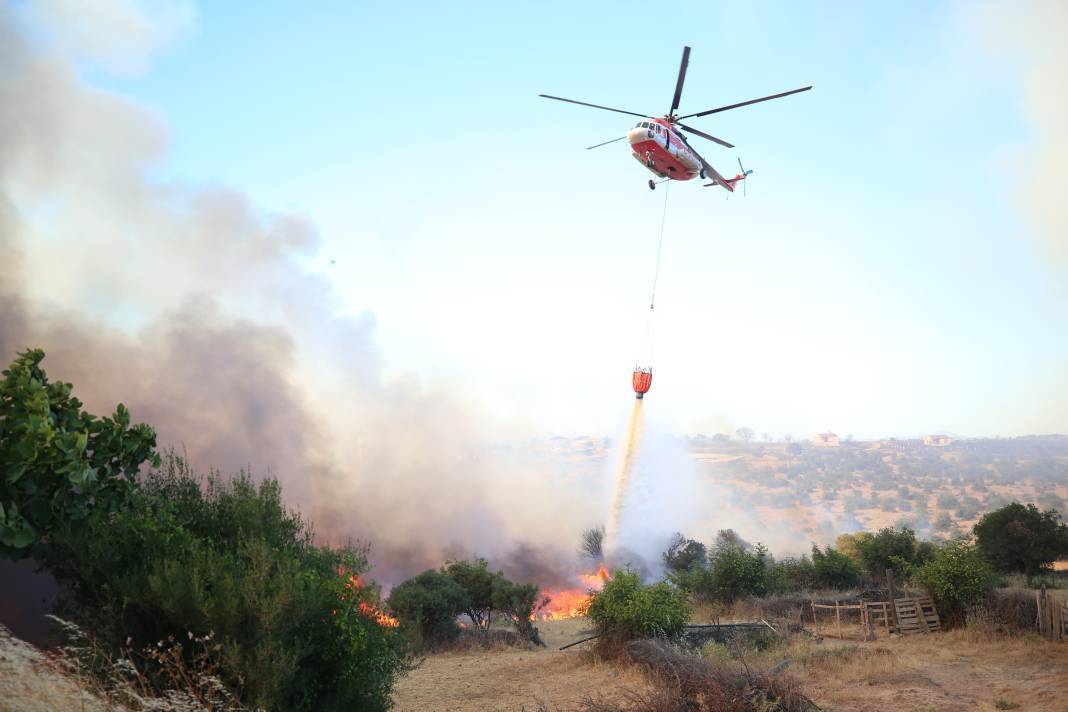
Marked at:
<point>196,307</point>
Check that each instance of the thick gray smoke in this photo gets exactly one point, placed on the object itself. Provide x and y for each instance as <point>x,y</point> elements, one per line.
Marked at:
<point>193,308</point>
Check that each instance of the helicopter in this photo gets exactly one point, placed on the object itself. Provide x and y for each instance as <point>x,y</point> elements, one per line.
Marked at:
<point>659,144</point>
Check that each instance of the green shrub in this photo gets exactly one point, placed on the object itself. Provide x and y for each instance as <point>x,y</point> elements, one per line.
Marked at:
<point>61,465</point>
<point>732,573</point>
<point>833,569</point>
<point>475,578</point>
<point>297,631</point>
<point>428,605</point>
<point>685,554</point>
<point>790,575</point>
<point>893,549</point>
<point>625,609</point>
<point>957,577</point>
<point>517,603</point>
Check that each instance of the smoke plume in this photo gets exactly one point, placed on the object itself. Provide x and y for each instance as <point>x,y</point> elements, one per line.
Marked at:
<point>193,307</point>
<point>1032,38</point>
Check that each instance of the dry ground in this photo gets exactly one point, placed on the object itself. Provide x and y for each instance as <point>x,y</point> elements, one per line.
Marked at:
<point>29,684</point>
<point>512,679</point>
<point>959,670</point>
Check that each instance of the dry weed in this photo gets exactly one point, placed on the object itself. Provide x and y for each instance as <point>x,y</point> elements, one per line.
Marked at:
<point>165,677</point>
<point>682,680</point>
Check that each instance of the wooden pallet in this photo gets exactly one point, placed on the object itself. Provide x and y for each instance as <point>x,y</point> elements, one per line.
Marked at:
<point>916,615</point>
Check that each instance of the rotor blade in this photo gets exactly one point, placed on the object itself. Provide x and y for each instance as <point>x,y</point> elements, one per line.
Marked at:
<point>595,106</point>
<point>606,143</point>
<point>681,79</point>
<point>746,103</point>
<point>702,134</point>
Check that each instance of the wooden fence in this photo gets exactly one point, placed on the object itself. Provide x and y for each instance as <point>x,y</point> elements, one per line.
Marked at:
<point>1052,616</point>
<point>909,615</point>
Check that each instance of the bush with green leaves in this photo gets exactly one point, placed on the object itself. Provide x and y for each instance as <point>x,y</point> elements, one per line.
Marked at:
<point>517,602</point>
<point>626,609</point>
<point>60,465</point>
<point>958,577</point>
<point>685,554</point>
<point>790,574</point>
<point>732,573</point>
<point>428,605</point>
<point>892,549</point>
<point>833,569</point>
<point>475,578</point>
<point>1019,538</point>
<point>295,626</point>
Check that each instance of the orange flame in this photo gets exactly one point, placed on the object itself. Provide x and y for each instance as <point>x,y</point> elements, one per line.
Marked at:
<point>352,586</point>
<point>573,602</point>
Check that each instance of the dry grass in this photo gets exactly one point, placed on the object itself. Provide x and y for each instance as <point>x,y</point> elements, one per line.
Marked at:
<point>681,679</point>
<point>979,668</point>
<point>81,675</point>
<point>29,683</point>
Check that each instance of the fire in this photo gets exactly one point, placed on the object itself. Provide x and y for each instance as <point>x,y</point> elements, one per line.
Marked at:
<point>352,586</point>
<point>573,602</point>
<point>379,617</point>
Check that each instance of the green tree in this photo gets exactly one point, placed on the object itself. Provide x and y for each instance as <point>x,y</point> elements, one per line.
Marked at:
<point>428,605</point>
<point>789,575</point>
<point>833,569</point>
<point>685,554</point>
<point>477,581</point>
<point>957,577</point>
<point>732,573</point>
<point>1018,538</point>
<point>61,465</point>
<point>517,602</point>
<point>893,549</point>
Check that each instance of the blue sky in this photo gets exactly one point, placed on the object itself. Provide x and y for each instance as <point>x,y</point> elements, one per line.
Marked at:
<point>878,279</point>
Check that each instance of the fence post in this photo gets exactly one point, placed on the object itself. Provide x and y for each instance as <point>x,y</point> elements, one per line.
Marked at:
<point>1045,618</point>
<point>893,606</point>
<point>838,619</point>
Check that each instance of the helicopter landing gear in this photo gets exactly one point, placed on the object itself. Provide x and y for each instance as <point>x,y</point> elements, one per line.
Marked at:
<point>702,174</point>
<point>652,184</point>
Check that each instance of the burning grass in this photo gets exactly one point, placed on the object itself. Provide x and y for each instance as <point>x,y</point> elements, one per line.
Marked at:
<point>573,602</point>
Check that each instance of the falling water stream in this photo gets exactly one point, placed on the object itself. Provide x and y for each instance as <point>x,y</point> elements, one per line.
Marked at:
<point>632,445</point>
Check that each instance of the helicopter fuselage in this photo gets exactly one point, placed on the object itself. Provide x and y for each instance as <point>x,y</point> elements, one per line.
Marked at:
<point>656,146</point>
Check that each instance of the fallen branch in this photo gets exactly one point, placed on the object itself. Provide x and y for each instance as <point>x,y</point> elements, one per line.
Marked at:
<point>592,637</point>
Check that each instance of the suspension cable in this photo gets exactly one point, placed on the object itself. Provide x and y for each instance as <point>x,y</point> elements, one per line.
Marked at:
<point>659,247</point>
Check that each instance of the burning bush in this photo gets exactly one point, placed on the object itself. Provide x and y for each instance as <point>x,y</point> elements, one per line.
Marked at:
<point>625,609</point>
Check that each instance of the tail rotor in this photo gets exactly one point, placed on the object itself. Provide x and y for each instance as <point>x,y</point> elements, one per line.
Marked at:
<point>744,175</point>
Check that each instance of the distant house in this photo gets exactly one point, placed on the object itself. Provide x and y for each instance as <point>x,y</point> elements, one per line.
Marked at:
<point>937,440</point>
<point>826,440</point>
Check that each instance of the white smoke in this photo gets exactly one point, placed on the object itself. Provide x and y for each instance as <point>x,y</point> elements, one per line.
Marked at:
<point>193,307</point>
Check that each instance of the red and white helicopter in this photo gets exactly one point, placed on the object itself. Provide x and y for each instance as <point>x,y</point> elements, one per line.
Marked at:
<point>662,148</point>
